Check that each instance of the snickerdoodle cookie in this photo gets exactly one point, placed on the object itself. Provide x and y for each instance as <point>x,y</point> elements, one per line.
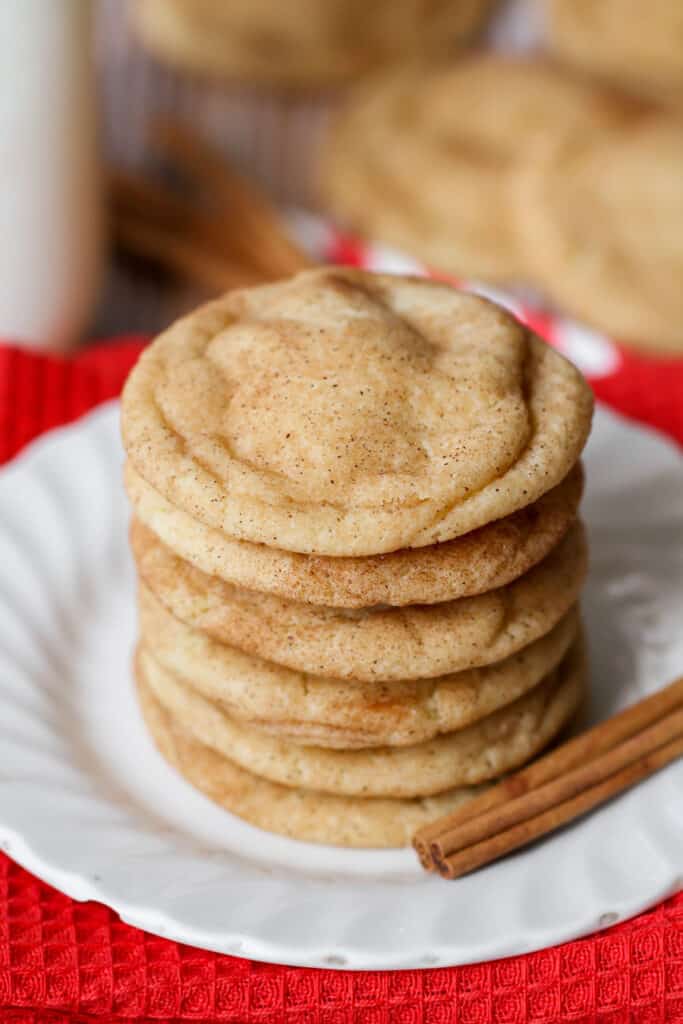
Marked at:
<point>340,713</point>
<point>603,221</point>
<point>484,750</point>
<point>373,644</point>
<point>424,159</point>
<point>344,413</point>
<point>297,813</point>
<point>301,43</point>
<point>638,45</point>
<point>486,558</point>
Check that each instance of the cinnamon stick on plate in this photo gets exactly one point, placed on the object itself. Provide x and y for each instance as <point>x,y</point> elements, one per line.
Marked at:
<point>571,780</point>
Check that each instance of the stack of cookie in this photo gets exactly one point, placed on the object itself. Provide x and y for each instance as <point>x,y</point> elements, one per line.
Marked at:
<point>355,528</point>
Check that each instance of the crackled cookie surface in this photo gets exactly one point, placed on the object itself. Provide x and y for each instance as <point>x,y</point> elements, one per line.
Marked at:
<point>344,413</point>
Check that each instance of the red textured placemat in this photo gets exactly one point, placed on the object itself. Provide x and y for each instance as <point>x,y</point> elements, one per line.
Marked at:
<point>64,961</point>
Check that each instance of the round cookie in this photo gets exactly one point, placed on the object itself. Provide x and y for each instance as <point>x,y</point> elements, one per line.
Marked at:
<point>297,813</point>
<point>478,561</point>
<point>369,644</point>
<point>424,159</point>
<point>345,413</point>
<point>301,42</point>
<point>490,747</point>
<point>336,713</point>
<point>639,47</point>
<point>605,221</point>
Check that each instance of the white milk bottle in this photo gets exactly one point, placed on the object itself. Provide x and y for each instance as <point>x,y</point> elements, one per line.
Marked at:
<point>51,211</point>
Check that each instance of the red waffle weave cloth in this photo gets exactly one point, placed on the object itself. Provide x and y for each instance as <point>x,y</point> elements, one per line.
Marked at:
<point>64,961</point>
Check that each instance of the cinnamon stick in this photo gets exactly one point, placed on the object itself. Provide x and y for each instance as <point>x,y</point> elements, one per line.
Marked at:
<point>576,752</point>
<point>503,843</point>
<point>157,243</point>
<point>227,236</point>
<point>563,788</point>
<point>256,226</point>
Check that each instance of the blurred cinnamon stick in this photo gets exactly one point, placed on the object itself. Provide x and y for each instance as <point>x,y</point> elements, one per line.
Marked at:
<point>226,236</point>
<point>262,236</point>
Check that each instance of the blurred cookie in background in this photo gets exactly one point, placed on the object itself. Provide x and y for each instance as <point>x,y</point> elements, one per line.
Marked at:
<point>425,160</point>
<point>519,171</point>
<point>637,44</point>
<point>603,227</point>
<point>302,42</point>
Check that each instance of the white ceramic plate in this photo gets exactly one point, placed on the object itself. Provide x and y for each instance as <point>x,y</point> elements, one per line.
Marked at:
<point>88,804</point>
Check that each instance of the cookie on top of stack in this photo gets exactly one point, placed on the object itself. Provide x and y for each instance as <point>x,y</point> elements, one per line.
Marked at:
<point>356,534</point>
